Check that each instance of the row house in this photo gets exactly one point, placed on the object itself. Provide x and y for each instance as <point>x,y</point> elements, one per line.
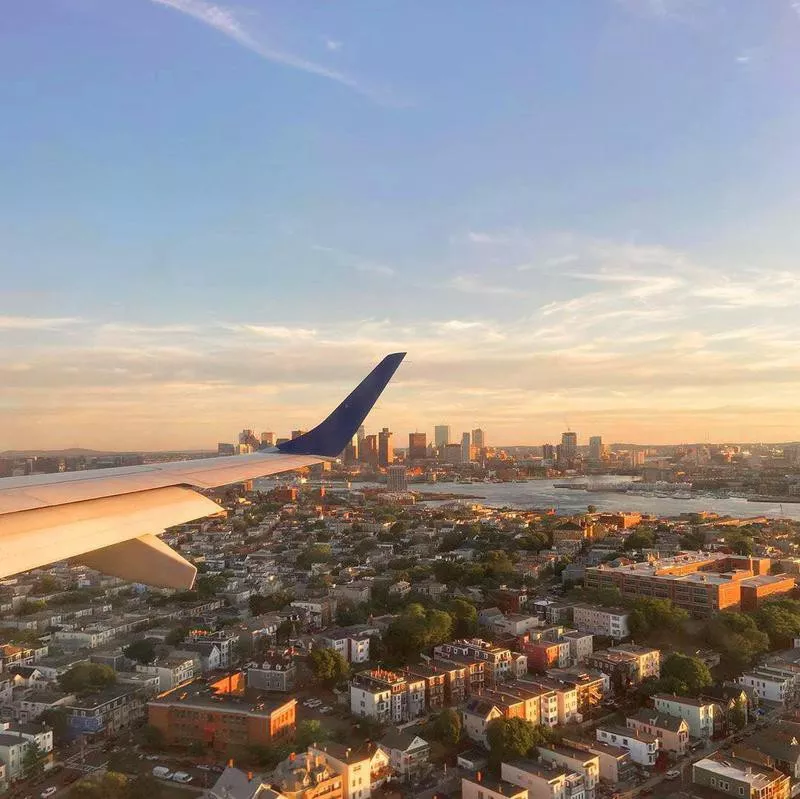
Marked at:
<point>501,663</point>
<point>591,686</point>
<point>628,664</point>
<point>465,677</point>
<point>435,684</point>
<point>740,778</point>
<point>566,698</point>
<point>609,622</point>
<point>615,762</point>
<point>353,647</point>
<point>387,696</point>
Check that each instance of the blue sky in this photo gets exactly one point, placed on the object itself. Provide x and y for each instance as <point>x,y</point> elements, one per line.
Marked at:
<point>569,212</point>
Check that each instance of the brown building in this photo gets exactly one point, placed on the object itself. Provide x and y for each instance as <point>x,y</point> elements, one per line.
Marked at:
<point>473,674</point>
<point>417,446</point>
<point>700,583</point>
<point>308,776</point>
<point>217,715</point>
<point>739,778</point>
<point>435,684</point>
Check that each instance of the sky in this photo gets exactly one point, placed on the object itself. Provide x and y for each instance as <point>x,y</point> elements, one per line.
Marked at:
<point>572,214</point>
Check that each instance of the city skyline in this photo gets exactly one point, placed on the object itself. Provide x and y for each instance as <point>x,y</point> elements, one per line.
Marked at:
<point>216,214</point>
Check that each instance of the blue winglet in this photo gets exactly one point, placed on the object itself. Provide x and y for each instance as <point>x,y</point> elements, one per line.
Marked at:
<point>330,437</point>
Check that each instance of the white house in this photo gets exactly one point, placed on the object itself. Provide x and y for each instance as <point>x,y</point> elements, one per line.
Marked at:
<point>611,622</point>
<point>544,781</point>
<point>699,715</point>
<point>767,684</point>
<point>642,746</point>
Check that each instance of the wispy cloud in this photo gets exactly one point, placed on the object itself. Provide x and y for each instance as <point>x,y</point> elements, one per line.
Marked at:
<point>333,45</point>
<point>356,262</point>
<point>36,323</point>
<point>470,284</point>
<point>225,21</point>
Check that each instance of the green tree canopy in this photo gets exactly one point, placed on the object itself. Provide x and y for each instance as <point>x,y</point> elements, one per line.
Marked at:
<point>640,539</point>
<point>780,620</point>
<point>57,718</point>
<point>87,677</point>
<point>513,738</point>
<point>328,666</point>
<point>33,761</point>
<point>415,629</point>
<point>143,651</point>
<point>465,618</point>
<point>682,674</point>
<point>650,615</point>
<point>737,638</point>
<point>310,732</point>
<point>446,727</point>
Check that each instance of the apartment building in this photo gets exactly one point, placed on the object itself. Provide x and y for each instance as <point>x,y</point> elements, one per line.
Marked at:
<point>171,671</point>
<point>500,665</point>
<point>700,583</point>
<point>352,646</point>
<point>409,754</point>
<point>218,718</point>
<point>465,676</point>
<point>769,684</point>
<point>642,746</point>
<point>628,664</point>
<point>610,622</point>
<point>615,762</point>
<point>487,787</point>
<point>544,781</point>
<point>363,770</point>
<point>435,685</point>
<point>387,696</point>
<point>276,672</point>
<point>581,645</point>
<point>576,760</point>
<point>740,778</point>
<point>590,685</point>
<point>700,715</point>
<point>671,731</point>
<point>106,712</point>
<point>565,695</point>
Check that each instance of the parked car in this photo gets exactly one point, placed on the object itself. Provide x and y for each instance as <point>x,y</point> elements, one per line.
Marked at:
<point>162,772</point>
<point>181,776</point>
<point>672,774</point>
<point>48,791</point>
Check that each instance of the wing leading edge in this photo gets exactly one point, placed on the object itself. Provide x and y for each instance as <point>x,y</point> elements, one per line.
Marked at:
<point>109,516</point>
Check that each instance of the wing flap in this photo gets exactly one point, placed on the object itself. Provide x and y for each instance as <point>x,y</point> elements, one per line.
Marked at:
<point>146,559</point>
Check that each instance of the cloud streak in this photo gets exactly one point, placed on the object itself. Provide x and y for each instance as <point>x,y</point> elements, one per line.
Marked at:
<point>224,21</point>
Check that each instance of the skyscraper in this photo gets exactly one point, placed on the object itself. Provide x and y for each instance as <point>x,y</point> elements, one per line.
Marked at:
<point>368,450</point>
<point>478,438</point>
<point>569,447</point>
<point>441,435</point>
<point>417,446</point>
<point>466,448</point>
<point>350,452</point>
<point>361,434</point>
<point>385,450</point>
<point>548,452</point>
<point>268,439</point>
<point>596,448</point>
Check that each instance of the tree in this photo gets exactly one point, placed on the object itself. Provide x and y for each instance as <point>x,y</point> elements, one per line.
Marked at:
<point>143,651</point>
<point>739,543</point>
<point>682,674</point>
<point>285,631</point>
<point>87,677</point>
<point>46,585</point>
<point>446,727</point>
<point>415,629</point>
<point>639,539</point>
<point>33,761</point>
<point>464,616</point>
<point>694,540</point>
<point>512,738</point>
<point>780,620</point>
<point>310,732</point>
<point>650,615</point>
<point>328,666</point>
<point>57,719</point>
<point>265,604</point>
<point>210,585</point>
<point>737,716</point>
<point>737,638</point>
<point>153,737</point>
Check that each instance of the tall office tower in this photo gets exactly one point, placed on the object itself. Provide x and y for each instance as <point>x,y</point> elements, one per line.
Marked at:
<point>596,448</point>
<point>417,446</point>
<point>361,434</point>
<point>548,452</point>
<point>441,435</point>
<point>268,439</point>
<point>569,447</point>
<point>350,452</point>
<point>298,433</point>
<point>368,451</point>
<point>478,438</point>
<point>397,480</point>
<point>385,450</point>
<point>466,448</point>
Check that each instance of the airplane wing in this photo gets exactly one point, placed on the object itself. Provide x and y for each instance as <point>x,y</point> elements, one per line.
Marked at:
<point>108,518</point>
